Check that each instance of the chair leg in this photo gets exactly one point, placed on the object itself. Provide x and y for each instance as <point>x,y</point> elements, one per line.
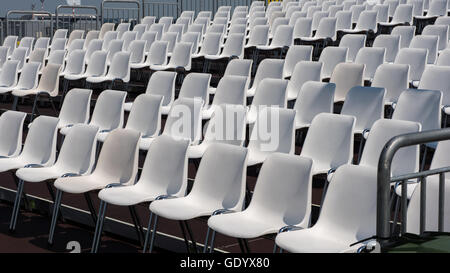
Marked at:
<point>361,144</point>
<point>324,192</point>
<point>152,242</point>
<point>56,208</point>
<point>397,208</point>
<point>137,224</point>
<point>183,232</point>
<point>36,98</point>
<point>211,246</point>
<point>274,247</point>
<point>15,102</point>
<point>189,231</point>
<point>424,157</point>
<point>65,89</point>
<point>205,247</point>
<point>53,105</point>
<point>91,207</point>
<point>99,227</point>
<point>16,208</point>
<point>147,235</point>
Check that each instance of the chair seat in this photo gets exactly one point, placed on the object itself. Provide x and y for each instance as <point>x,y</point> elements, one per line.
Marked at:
<point>41,174</point>
<point>5,89</point>
<point>73,77</point>
<point>131,195</point>
<point>26,92</point>
<point>98,79</point>
<point>312,241</point>
<point>256,157</point>
<point>12,163</point>
<point>244,225</point>
<point>268,47</point>
<point>127,106</point>
<point>138,65</point>
<point>82,184</point>
<point>197,151</point>
<point>183,208</point>
<point>144,143</point>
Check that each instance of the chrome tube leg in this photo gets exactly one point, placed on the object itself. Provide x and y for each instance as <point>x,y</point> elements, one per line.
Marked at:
<point>56,207</point>
<point>15,102</point>
<point>36,98</point>
<point>152,242</point>
<point>205,247</point>
<point>147,235</point>
<point>274,247</point>
<point>211,246</point>
<point>16,208</point>
<point>191,235</point>
<point>99,227</point>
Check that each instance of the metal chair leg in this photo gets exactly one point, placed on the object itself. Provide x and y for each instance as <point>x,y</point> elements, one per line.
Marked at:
<point>99,227</point>
<point>152,242</point>
<point>147,235</point>
<point>56,207</point>
<point>211,246</point>
<point>16,208</point>
<point>205,247</point>
<point>15,102</point>
<point>36,98</point>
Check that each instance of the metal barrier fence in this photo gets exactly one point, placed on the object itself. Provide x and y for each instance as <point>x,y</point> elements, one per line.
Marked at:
<point>29,23</point>
<point>384,180</point>
<point>117,11</point>
<point>77,17</point>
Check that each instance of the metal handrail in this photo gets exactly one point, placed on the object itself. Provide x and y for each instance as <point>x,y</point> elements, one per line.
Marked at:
<point>384,182</point>
<point>76,7</point>
<point>138,3</point>
<point>33,12</point>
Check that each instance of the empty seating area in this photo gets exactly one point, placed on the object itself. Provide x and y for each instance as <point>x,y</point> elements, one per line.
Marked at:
<point>256,126</point>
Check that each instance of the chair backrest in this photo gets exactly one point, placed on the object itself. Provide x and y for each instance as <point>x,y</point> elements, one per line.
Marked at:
<point>58,44</point>
<point>40,144</point>
<point>268,68</point>
<point>49,81</point>
<point>77,153</point>
<point>184,119</point>
<point>108,38</point>
<point>392,77</point>
<point>76,44</point>
<point>3,55</point>
<point>148,20</point>
<point>20,55</point>
<point>76,107</point>
<point>231,90</point>
<point>346,76</point>
<point>157,54</point>
<point>27,42</point>
<point>317,17</point>
<point>334,9</point>
<point>234,46</point>
<point>193,38</point>
<point>122,28</point>
<point>118,159</point>
<point>304,71</point>
<point>120,66</point>
<point>367,20</point>
<point>166,21</point>
<point>162,83</point>
<point>196,85</point>
<point>38,56</point>
<point>211,44</point>
<point>97,64</point>
<point>444,58</point>
<point>223,127</point>
<point>259,35</point>
<point>429,42</point>
<point>76,34</point>
<point>158,28</point>
<point>42,42</point>
<point>343,20</point>
<point>329,152</point>
<point>406,160</point>
<point>416,58</point>
<point>177,28</point>
<point>145,115</point>
<point>270,93</point>
<point>366,104</point>
<point>106,27</point>
<point>418,105</point>
<point>29,76</point>
<point>114,47</point>
<point>11,126</point>
<point>330,57</point>
<point>391,43</point>
<point>382,12</point>
<point>356,12</point>
<point>403,14</point>
<point>165,167</point>
<point>314,97</point>
<point>406,34</point>
<point>354,42</point>
<point>75,62</point>
<point>140,29</point>
<point>437,78</point>
<point>127,38</point>
<point>108,112</point>
<point>181,56</point>
<point>238,67</point>
<point>57,57</point>
<point>94,45</point>
<point>273,131</point>
<point>221,177</point>
<point>9,73</point>
<point>137,51</point>
<point>372,58</point>
<point>90,36</point>
<point>438,8</point>
<point>290,200</point>
<point>294,55</point>
<point>327,28</point>
<point>10,42</point>
<point>149,37</point>
<point>440,31</point>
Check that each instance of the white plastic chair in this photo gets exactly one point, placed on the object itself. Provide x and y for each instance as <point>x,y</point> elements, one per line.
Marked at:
<point>108,38</point>
<point>90,36</point>
<point>149,37</point>
<point>437,78</point>
<point>137,54</point>
<point>76,34</point>
<point>314,97</point>
<point>269,93</point>
<point>166,21</point>
<point>77,156</point>
<point>94,45</point>
<point>224,192</point>
<point>371,58</point>
<point>391,43</point>
<point>327,152</point>
<point>158,29</point>
<point>294,55</point>
<point>268,68</point>
<point>406,34</point>
<point>97,66</point>
<point>9,76</point>
<point>127,38</point>
<point>27,42</point>
<point>11,43</point>
<point>273,206</point>
<point>440,31</point>
<point>28,79</point>
<point>75,108</point>
<point>278,138</point>
<point>330,57</point>
<point>195,85</point>
<point>416,58</point>
<point>237,67</point>
<point>366,104</point>
<point>393,78</point>
<point>19,54</point>
<point>354,42</point>
<point>346,76</point>
<point>122,28</point>
<point>119,70</point>
<point>106,27</point>
<point>181,58</point>
<point>430,42</point>
<point>304,71</point>
<point>444,58</point>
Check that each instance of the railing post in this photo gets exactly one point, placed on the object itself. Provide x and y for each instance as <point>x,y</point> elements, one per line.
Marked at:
<point>441,202</point>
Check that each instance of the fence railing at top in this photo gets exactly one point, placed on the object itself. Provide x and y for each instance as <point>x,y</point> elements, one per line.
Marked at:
<point>77,17</point>
<point>29,23</point>
<point>384,180</point>
<point>117,11</point>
